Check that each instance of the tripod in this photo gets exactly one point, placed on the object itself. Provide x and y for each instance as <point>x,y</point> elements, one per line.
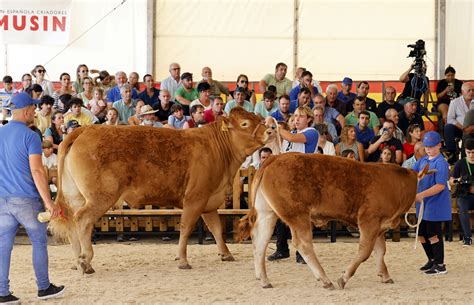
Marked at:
<point>420,78</point>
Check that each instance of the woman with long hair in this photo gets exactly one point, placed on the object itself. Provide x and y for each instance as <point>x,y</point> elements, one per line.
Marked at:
<point>39,72</point>
<point>65,81</point>
<point>82,71</point>
<point>412,137</point>
<point>243,82</point>
<point>55,133</point>
<point>348,141</point>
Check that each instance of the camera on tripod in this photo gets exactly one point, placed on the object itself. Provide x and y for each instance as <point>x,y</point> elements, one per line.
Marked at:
<point>418,53</point>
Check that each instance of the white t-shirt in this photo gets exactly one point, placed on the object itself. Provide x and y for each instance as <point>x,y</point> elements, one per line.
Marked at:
<point>51,161</point>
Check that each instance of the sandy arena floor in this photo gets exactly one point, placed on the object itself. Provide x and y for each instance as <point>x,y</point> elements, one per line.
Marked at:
<point>145,272</point>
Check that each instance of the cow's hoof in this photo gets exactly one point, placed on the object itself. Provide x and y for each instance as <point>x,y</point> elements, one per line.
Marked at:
<point>329,286</point>
<point>86,268</point>
<point>89,270</point>
<point>341,282</point>
<point>227,258</point>
<point>184,266</point>
<point>267,286</point>
<point>73,267</point>
<point>389,281</point>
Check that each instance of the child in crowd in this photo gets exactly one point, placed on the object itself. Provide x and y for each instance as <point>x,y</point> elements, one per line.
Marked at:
<point>5,95</point>
<point>433,191</point>
<point>349,154</point>
<point>97,105</point>
<point>112,117</point>
<point>387,155</point>
<point>50,160</point>
<point>177,118</point>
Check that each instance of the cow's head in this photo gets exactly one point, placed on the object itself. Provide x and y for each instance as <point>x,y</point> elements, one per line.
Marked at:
<point>247,131</point>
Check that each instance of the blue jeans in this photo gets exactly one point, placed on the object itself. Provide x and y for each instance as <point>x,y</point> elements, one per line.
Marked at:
<point>464,205</point>
<point>24,211</point>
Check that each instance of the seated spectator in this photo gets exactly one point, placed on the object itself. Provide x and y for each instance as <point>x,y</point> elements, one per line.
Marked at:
<point>204,99</point>
<point>104,81</point>
<point>76,113</point>
<point>133,81</point>
<point>71,126</point>
<point>283,112</point>
<point>326,145</point>
<point>38,73</point>
<point>345,94</point>
<point>215,87</point>
<point>197,117</point>
<point>392,115</point>
<point>49,158</point>
<point>386,139</point>
<point>82,72</point>
<point>43,114</point>
<point>172,83</point>
<point>303,99</point>
<point>267,106</point>
<point>243,82</point>
<point>409,116</point>
<point>217,110</point>
<point>112,117</point>
<point>150,95</point>
<point>363,92</point>
<point>6,94</point>
<point>419,152</point>
<point>333,101</point>
<point>263,154</point>
<point>359,106</point>
<point>387,155</point>
<point>97,105</point>
<point>282,84</point>
<point>148,118</point>
<point>163,106</point>
<point>135,119</point>
<point>388,103</point>
<point>447,90</point>
<point>177,117</point>
<point>238,101</point>
<point>26,81</point>
<point>462,173</point>
<point>306,82</point>
<point>185,94</point>
<point>456,113</point>
<point>115,94</point>
<point>297,79</point>
<point>364,134</point>
<point>413,137</point>
<point>87,93</point>
<point>55,133</point>
<point>348,154</point>
<point>331,115</point>
<point>348,141</point>
<point>65,81</point>
<point>35,91</point>
<point>126,105</point>
<point>318,112</point>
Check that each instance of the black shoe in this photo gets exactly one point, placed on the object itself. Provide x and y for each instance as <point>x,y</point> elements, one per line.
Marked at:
<point>9,299</point>
<point>427,266</point>
<point>437,269</point>
<point>51,292</point>
<point>120,238</point>
<point>278,255</point>
<point>467,241</point>
<point>300,259</point>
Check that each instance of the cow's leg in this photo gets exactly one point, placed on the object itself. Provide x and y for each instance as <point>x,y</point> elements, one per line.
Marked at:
<point>261,234</point>
<point>189,218</point>
<point>213,222</point>
<point>369,230</point>
<point>379,251</point>
<point>75,244</point>
<point>302,239</point>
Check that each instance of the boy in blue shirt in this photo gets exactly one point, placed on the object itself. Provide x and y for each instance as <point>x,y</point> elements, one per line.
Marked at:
<point>432,189</point>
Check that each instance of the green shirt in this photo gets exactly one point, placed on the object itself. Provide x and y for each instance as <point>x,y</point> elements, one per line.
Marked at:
<point>190,96</point>
<point>352,120</point>
<point>283,86</point>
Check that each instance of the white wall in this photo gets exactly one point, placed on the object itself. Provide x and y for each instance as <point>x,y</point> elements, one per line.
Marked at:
<point>115,43</point>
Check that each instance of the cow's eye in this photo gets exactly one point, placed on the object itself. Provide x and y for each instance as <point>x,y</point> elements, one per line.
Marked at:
<point>244,124</point>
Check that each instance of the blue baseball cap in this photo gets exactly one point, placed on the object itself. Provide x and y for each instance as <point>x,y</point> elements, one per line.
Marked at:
<point>22,100</point>
<point>431,138</point>
<point>347,81</point>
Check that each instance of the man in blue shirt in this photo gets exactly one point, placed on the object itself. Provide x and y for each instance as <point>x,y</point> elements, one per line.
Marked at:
<point>150,95</point>
<point>433,191</point>
<point>345,94</point>
<point>364,133</point>
<point>306,82</point>
<point>115,93</point>
<point>22,184</point>
<point>283,113</point>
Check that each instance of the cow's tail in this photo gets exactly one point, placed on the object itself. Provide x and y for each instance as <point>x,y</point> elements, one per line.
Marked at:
<point>61,226</point>
<point>247,222</point>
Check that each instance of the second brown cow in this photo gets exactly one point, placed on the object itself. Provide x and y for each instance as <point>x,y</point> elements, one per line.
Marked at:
<point>303,190</point>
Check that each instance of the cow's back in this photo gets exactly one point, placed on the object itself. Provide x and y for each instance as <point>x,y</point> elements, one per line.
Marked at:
<point>330,187</point>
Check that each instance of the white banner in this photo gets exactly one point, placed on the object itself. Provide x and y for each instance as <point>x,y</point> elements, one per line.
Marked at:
<point>45,22</point>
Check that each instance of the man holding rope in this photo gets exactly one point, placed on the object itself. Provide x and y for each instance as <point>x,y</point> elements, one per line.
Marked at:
<point>433,191</point>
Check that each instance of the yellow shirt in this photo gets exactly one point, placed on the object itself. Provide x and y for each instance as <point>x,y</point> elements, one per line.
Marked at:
<point>83,119</point>
<point>42,122</point>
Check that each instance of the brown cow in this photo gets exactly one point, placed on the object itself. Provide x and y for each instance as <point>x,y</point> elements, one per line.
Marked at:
<point>190,169</point>
<point>302,189</point>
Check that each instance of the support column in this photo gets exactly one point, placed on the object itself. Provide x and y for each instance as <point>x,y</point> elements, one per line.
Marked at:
<point>440,26</point>
<point>296,15</point>
<point>150,37</point>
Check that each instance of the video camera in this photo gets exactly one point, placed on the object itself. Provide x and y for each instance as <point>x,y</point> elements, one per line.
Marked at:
<point>418,53</point>
<point>463,186</point>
